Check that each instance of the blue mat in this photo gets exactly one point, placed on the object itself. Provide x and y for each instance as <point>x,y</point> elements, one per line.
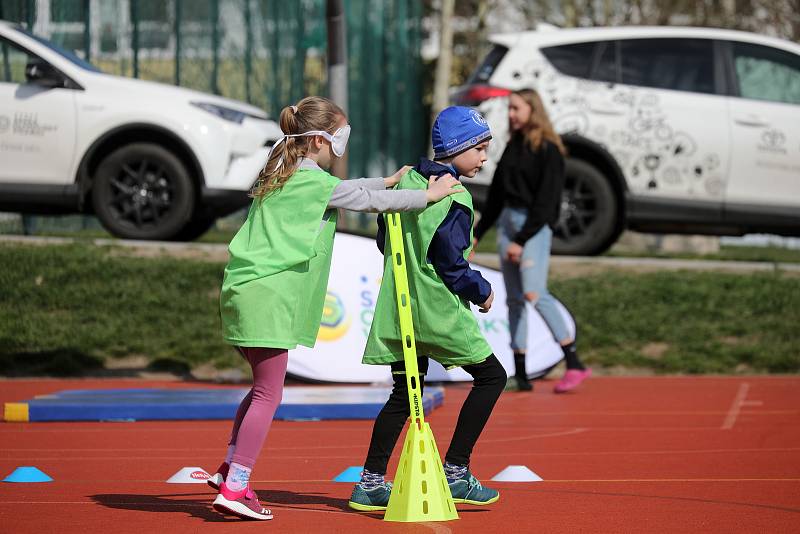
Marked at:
<point>299,403</point>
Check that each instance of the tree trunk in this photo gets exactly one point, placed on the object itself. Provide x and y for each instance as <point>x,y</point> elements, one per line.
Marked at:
<point>608,11</point>
<point>795,11</point>
<point>444,63</point>
<point>570,14</point>
<point>337,68</point>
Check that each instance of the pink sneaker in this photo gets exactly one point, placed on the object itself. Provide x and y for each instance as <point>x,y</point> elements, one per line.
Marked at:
<point>216,480</point>
<point>572,379</point>
<point>241,503</point>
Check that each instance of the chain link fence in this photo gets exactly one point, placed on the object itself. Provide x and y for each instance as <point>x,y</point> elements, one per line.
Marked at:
<point>269,53</point>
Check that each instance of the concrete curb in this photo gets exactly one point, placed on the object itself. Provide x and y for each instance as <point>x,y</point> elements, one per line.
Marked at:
<point>485,259</point>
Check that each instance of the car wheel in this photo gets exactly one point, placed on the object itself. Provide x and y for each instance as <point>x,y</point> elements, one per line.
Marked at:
<point>195,228</point>
<point>142,191</point>
<point>588,221</point>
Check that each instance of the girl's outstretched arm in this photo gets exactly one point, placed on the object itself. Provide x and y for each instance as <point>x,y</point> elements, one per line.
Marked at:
<point>350,195</point>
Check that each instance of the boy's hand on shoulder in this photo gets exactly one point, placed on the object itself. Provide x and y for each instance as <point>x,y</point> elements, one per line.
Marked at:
<point>394,179</point>
<point>486,306</point>
<point>444,186</point>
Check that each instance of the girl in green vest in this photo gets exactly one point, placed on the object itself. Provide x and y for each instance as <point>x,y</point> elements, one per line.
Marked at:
<point>275,282</point>
<point>438,241</point>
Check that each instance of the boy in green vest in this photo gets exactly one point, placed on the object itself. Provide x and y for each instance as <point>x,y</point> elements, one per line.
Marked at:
<point>438,240</point>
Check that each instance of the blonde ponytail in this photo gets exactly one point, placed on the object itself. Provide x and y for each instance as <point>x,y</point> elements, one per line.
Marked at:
<point>311,113</point>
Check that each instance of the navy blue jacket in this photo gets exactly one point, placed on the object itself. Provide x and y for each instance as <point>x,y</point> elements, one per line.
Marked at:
<point>452,238</point>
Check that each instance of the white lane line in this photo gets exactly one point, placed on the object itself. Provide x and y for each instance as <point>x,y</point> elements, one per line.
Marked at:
<point>189,457</point>
<point>738,400</point>
<point>436,527</point>
<point>536,436</point>
<point>514,484</point>
<point>145,505</point>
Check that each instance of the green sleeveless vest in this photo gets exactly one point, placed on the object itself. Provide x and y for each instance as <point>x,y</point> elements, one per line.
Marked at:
<point>276,279</point>
<point>444,325</point>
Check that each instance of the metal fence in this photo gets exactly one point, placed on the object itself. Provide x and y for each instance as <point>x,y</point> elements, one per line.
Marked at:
<point>270,53</point>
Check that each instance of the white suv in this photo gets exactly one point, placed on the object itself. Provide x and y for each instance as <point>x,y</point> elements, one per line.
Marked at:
<point>686,130</point>
<point>152,161</point>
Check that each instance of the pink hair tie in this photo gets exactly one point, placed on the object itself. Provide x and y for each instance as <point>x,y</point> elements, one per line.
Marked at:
<point>294,109</point>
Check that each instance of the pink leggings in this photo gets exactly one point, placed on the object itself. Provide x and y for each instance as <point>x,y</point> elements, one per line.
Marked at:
<point>255,413</point>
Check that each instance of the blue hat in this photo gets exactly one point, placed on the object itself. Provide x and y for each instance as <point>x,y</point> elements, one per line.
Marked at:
<point>456,129</point>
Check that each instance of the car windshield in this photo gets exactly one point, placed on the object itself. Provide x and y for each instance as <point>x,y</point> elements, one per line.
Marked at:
<point>490,62</point>
<point>61,51</point>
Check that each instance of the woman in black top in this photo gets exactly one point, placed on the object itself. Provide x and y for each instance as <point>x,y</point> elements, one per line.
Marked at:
<point>524,199</point>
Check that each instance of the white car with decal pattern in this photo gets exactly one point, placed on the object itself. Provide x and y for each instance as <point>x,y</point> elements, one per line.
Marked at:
<point>685,130</point>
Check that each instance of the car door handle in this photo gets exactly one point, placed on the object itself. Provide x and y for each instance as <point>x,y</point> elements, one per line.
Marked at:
<point>752,122</point>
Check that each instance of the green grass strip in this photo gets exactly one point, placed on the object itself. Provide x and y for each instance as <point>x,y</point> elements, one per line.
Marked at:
<point>65,309</point>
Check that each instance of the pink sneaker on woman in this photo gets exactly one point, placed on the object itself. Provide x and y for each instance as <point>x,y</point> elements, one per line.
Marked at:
<point>572,379</point>
<point>216,480</point>
<point>243,503</point>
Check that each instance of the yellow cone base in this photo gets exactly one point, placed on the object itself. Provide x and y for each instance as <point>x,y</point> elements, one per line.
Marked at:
<point>420,491</point>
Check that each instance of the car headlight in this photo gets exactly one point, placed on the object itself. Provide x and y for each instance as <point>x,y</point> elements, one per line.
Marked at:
<point>222,112</point>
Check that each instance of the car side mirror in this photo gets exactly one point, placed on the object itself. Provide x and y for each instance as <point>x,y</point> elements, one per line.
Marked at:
<point>43,73</point>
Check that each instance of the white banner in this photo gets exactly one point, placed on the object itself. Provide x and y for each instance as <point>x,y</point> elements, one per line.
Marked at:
<point>356,271</point>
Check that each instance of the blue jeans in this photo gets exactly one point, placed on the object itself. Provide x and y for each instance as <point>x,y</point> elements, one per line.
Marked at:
<point>530,275</point>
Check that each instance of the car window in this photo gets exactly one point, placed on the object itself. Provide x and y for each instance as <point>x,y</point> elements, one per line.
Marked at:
<point>572,60</point>
<point>606,68</point>
<point>677,64</point>
<point>66,54</point>
<point>766,73</point>
<point>486,68</point>
<point>12,62</point>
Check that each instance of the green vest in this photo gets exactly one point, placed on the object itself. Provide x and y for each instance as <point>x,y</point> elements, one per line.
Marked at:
<point>445,328</point>
<point>277,275</point>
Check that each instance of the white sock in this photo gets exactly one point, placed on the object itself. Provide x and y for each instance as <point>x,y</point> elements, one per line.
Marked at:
<point>238,477</point>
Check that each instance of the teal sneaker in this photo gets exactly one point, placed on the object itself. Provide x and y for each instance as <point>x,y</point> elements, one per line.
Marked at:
<point>468,490</point>
<point>370,500</point>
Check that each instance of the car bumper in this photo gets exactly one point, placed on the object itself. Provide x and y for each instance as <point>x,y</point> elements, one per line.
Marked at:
<point>243,170</point>
<point>231,194</point>
<point>221,202</point>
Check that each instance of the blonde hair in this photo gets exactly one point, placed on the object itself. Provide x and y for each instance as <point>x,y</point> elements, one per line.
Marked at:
<point>539,127</point>
<point>311,113</point>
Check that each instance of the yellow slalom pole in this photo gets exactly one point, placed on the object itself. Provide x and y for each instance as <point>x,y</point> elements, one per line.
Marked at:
<point>420,491</point>
<point>406,320</point>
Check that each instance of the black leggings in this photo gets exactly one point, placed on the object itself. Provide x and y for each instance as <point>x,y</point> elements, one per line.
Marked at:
<point>489,381</point>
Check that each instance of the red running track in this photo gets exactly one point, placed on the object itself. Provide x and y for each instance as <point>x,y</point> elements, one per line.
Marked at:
<point>666,454</point>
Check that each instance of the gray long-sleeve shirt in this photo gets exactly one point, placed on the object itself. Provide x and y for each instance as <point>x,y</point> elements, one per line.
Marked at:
<point>370,194</point>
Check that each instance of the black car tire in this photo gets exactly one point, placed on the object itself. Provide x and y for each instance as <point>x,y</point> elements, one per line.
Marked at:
<point>195,228</point>
<point>589,219</point>
<point>142,191</point>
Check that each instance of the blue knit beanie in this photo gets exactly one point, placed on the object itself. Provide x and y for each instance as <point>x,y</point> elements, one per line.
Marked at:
<point>456,129</point>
